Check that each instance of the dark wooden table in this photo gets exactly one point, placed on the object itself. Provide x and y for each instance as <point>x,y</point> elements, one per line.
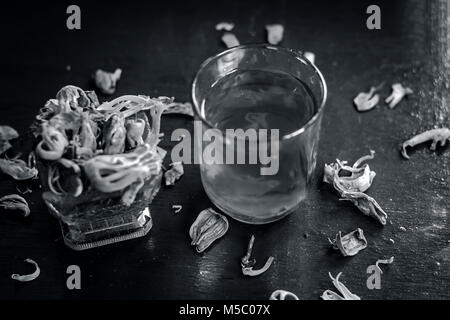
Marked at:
<point>159,47</point>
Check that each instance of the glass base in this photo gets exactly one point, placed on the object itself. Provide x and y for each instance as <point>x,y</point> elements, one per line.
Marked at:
<point>106,230</point>
<point>252,220</point>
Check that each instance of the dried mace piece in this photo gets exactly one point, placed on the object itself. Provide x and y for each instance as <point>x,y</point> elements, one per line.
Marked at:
<point>346,294</point>
<point>15,202</point>
<point>6,133</point>
<point>17,169</point>
<point>207,228</point>
<point>366,205</point>
<point>366,101</point>
<point>436,135</point>
<point>283,295</point>
<point>180,108</point>
<point>274,33</point>
<point>174,173</point>
<point>247,263</point>
<point>398,93</point>
<point>107,81</point>
<point>351,243</point>
<point>230,40</point>
<point>28,277</point>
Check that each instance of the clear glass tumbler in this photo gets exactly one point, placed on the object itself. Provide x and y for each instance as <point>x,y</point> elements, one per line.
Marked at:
<point>259,108</point>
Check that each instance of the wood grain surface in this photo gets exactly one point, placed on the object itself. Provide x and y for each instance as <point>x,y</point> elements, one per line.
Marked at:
<point>159,48</point>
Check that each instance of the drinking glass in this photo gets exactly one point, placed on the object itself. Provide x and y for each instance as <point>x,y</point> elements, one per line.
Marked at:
<point>258,88</point>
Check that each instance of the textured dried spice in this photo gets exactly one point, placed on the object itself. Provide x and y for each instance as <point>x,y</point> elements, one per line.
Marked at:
<point>207,228</point>
<point>360,178</point>
<point>247,263</point>
<point>230,40</point>
<point>440,135</point>
<point>107,81</point>
<point>6,133</point>
<point>351,243</point>
<point>64,178</point>
<point>274,33</point>
<point>345,293</point>
<point>28,277</point>
<point>15,202</point>
<point>366,205</point>
<point>283,295</point>
<point>174,173</point>
<point>366,101</point>
<point>398,93</point>
<point>17,169</point>
<point>135,132</point>
<point>180,108</point>
<point>224,26</point>
<point>53,143</point>
<point>115,135</point>
<point>310,56</point>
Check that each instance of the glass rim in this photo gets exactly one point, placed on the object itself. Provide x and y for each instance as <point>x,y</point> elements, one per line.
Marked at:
<point>295,53</point>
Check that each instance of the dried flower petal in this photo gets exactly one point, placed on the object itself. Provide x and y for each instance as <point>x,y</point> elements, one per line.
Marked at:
<point>109,173</point>
<point>230,40</point>
<point>384,261</point>
<point>247,263</point>
<point>310,56</point>
<point>17,169</point>
<point>135,131</point>
<point>351,243</point>
<point>177,207</point>
<point>366,205</point>
<point>107,81</point>
<point>274,33</point>
<point>114,136</point>
<point>366,101</point>
<point>15,202</point>
<point>440,135</point>
<point>7,133</point>
<point>360,180</point>
<point>207,228</point>
<point>174,173</point>
<point>28,277</point>
<point>180,108</point>
<point>283,295</point>
<point>346,294</point>
<point>224,26</point>
<point>398,93</point>
<point>53,143</point>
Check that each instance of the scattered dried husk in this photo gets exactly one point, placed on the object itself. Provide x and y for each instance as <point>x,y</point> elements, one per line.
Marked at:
<point>28,277</point>
<point>310,56</point>
<point>207,228</point>
<point>274,33</point>
<point>15,202</point>
<point>180,108</point>
<point>127,171</point>
<point>247,263</point>
<point>440,135</point>
<point>224,26</point>
<point>360,178</point>
<point>174,173</point>
<point>350,244</point>
<point>384,261</point>
<point>366,101</point>
<point>17,169</point>
<point>107,81</point>
<point>6,133</point>
<point>366,205</point>
<point>230,40</point>
<point>345,293</point>
<point>283,295</point>
<point>398,93</point>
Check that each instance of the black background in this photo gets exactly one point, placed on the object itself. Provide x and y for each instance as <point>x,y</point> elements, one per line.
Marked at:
<point>159,47</point>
